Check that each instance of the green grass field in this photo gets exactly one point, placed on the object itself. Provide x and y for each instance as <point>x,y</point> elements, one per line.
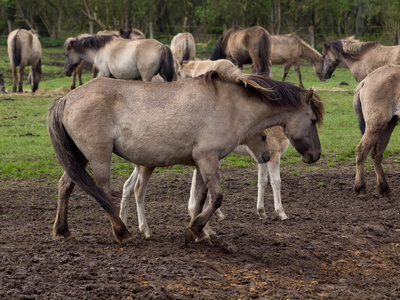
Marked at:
<point>26,152</point>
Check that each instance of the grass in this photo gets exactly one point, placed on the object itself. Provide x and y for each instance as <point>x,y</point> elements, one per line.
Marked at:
<point>26,152</point>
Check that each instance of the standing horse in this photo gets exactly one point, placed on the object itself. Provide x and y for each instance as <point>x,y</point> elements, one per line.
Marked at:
<point>360,57</point>
<point>376,103</point>
<point>193,68</point>
<point>289,49</point>
<point>121,58</point>
<point>193,122</point>
<point>183,48</point>
<point>245,46</point>
<point>24,49</point>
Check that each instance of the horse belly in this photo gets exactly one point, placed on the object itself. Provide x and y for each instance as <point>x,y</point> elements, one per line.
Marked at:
<point>124,70</point>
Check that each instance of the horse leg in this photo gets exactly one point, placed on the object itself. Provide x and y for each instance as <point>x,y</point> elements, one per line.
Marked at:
<point>274,173</point>
<point>262,183</point>
<point>14,77</point>
<point>198,194</point>
<point>210,177</point>
<point>101,175</point>
<point>127,193</point>
<point>367,142</point>
<point>94,71</point>
<point>297,70</point>
<point>73,79</point>
<point>33,75</point>
<point>140,193</point>
<point>20,76</point>
<point>377,156</point>
<point>286,70</point>
<point>65,188</point>
<point>80,71</point>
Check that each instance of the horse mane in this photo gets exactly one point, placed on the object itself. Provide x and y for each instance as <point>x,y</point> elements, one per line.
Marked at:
<point>217,52</point>
<point>92,42</point>
<point>352,48</point>
<point>274,92</point>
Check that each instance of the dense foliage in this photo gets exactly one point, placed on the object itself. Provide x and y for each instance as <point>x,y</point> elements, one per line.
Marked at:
<point>316,21</point>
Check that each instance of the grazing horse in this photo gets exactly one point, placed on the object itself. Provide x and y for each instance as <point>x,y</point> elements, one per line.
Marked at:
<point>131,34</point>
<point>121,58</point>
<point>360,57</point>
<point>289,49</point>
<point>192,122</point>
<point>183,48</point>
<point>24,49</point>
<point>193,68</point>
<point>376,103</point>
<point>245,46</point>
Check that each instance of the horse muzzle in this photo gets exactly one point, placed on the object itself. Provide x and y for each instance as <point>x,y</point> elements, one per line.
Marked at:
<point>311,158</point>
<point>264,158</point>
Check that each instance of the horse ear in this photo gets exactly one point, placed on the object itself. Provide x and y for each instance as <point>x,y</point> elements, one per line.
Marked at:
<point>71,44</point>
<point>121,31</point>
<point>309,95</point>
<point>130,30</point>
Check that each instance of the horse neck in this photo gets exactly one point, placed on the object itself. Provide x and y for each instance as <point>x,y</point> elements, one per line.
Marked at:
<point>310,54</point>
<point>89,55</point>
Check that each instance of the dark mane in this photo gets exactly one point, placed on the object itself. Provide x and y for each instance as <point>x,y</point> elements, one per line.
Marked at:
<point>350,48</point>
<point>274,92</point>
<point>92,42</point>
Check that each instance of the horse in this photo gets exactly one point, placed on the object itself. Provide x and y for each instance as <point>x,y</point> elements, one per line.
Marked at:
<point>360,57</point>
<point>289,49</point>
<point>376,102</point>
<point>277,144</point>
<point>121,58</point>
<point>193,68</point>
<point>79,69</point>
<point>132,34</point>
<point>243,46</point>
<point>195,121</point>
<point>254,145</point>
<point>24,49</point>
<point>183,48</point>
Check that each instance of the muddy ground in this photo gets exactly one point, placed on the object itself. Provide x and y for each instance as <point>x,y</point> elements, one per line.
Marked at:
<point>333,246</point>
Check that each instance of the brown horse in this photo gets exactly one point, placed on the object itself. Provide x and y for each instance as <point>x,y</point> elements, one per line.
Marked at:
<point>289,49</point>
<point>376,103</point>
<point>121,58</point>
<point>24,49</point>
<point>360,57</point>
<point>245,46</point>
<point>193,122</point>
<point>183,48</point>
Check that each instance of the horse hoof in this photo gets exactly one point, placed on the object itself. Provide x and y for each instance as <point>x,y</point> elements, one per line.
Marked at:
<point>69,239</point>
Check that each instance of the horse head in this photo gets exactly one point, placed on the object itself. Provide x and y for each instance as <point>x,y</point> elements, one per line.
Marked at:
<point>257,144</point>
<point>72,60</point>
<point>331,59</point>
<point>318,68</point>
<point>301,129</point>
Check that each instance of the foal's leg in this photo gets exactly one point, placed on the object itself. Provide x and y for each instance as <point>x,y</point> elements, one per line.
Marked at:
<point>377,156</point>
<point>262,184</point>
<point>127,193</point>
<point>140,193</point>
<point>275,176</point>
<point>65,188</point>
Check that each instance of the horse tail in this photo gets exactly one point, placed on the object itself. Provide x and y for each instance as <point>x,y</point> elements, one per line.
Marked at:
<point>71,158</point>
<point>358,107</point>
<point>216,53</point>
<point>16,52</point>
<point>265,53</point>
<point>167,70</point>
<point>186,50</point>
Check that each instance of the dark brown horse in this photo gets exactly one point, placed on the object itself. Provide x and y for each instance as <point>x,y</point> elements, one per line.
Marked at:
<point>245,46</point>
<point>24,49</point>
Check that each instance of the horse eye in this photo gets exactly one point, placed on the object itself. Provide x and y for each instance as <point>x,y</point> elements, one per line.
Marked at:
<point>264,138</point>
